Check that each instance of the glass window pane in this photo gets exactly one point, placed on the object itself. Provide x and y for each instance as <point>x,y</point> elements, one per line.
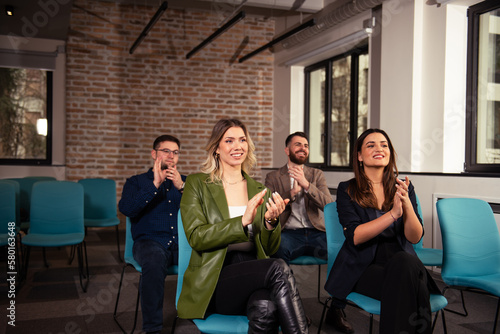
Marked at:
<point>316,116</point>
<point>23,113</point>
<point>362,94</point>
<point>341,112</point>
<point>488,91</point>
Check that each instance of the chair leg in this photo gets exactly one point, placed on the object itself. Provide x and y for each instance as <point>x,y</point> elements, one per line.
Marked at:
<point>371,324</point>
<point>45,258</point>
<point>82,257</point>
<point>465,313</point>
<point>115,317</point>
<point>496,317</point>
<point>174,324</point>
<point>72,254</point>
<point>319,283</point>
<point>118,244</point>
<point>26,263</point>
<point>325,305</point>
<point>137,303</point>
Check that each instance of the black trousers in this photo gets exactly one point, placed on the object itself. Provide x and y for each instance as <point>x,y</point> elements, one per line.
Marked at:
<point>401,286</point>
<point>241,277</point>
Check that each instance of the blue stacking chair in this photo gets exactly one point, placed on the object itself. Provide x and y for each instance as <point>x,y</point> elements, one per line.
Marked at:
<point>56,220</point>
<point>25,188</point>
<point>8,228</point>
<point>471,246</point>
<point>307,260</point>
<point>100,205</point>
<point>213,323</point>
<point>335,239</point>
<point>131,262</point>
<point>428,256</point>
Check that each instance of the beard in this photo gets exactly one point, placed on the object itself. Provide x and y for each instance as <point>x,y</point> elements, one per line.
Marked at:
<point>165,165</point>
<point>298,160</point>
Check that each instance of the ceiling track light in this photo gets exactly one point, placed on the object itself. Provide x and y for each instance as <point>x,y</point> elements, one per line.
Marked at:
<point>303,26</point>
<point>149,26</point>
<point>9,10</point>
<point>216,34</point>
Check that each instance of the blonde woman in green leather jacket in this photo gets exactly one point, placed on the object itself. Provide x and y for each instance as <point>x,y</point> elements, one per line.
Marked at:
<point>231,222</point>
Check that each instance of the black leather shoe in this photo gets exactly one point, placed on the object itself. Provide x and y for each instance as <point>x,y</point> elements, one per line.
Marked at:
<point>336,318</point>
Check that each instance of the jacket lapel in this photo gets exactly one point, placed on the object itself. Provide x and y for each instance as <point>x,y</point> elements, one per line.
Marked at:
<point>219,197</point>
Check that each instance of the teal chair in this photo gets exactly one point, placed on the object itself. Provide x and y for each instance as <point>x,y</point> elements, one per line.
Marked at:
<point>9,215</point>
<point>471,246</point>
<point>428,256</point>
<point>131,262</point>
<point>100,205</point>
<point>8,228</point>
<point>25,188</point>
<point>335,239</point>
<point>17,190</point>
<point>56,220</point>
<point>213,323</point>
<point>307,260</point>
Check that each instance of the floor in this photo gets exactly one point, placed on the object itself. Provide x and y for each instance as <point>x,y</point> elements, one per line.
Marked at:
<point>51,299</point>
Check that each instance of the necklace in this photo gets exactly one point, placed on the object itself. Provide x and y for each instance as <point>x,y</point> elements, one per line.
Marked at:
<point>233,183</point>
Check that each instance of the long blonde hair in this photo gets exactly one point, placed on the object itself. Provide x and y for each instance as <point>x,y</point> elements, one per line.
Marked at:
<point>212,164</point>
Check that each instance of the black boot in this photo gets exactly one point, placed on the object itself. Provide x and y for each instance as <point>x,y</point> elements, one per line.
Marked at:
<point>285,295</point>
<point>336,318</point>
<point>262,314</point>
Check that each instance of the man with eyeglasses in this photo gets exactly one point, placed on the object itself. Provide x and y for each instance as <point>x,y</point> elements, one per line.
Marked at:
<point>151,200</point>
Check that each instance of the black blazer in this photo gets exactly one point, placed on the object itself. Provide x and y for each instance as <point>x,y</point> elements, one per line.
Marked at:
<point>353,260</point>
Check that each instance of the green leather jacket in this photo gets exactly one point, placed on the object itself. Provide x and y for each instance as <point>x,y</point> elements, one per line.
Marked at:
<point>209,230</point>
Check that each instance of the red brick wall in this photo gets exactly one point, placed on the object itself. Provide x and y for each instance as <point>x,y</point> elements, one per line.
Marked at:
<point>118,103</point>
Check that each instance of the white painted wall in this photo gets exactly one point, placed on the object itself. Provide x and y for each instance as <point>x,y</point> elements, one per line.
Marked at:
<point>422,102</point>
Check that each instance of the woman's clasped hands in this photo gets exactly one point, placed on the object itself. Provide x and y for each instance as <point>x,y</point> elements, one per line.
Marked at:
<point>275,206</point>
<point>401,197</point>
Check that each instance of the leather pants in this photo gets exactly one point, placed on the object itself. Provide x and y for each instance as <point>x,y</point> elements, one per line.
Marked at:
<point>285,296</point>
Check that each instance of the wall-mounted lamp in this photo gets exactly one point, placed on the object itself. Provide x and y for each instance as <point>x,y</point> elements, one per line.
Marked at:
<point>41,126</point>
<point>303,26</point>
<point>154,19</point>
<point>369,24</point>
<point>238,17</point>
<point>9,10</point>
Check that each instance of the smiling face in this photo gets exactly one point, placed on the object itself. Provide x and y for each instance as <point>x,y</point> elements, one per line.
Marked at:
<point>298,150</point>
<point>375,151</point>
<point>167,159</point>
<point>233,147</point>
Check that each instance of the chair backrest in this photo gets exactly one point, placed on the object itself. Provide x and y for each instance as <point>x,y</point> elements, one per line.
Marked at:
<point>56,208</point>
<point>99,198</point>
<point>7,206</point>
<point>184,255</point>
<point>17,190</point>
<point>420,244</point>
<point>25,189</point>
<point>471,243</point>
<point>334,233</point>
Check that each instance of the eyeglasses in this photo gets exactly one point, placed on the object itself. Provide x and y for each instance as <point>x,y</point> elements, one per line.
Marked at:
<point>167,151</point>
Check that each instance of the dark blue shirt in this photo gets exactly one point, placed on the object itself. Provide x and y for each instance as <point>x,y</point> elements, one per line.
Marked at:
<point>152,212</point>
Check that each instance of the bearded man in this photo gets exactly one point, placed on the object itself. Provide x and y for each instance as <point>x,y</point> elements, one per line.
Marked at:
<point>302,222</point>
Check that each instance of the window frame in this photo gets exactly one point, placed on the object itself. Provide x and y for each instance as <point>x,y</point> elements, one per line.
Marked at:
<point>48,139</point>
<point>360,49</point>
<point>471,131</point>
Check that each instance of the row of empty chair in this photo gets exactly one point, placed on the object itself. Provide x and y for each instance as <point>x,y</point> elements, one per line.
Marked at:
<point>55,213</point>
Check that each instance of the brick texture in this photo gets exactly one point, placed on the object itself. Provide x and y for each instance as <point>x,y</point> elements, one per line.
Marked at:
<point>118,103</point>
